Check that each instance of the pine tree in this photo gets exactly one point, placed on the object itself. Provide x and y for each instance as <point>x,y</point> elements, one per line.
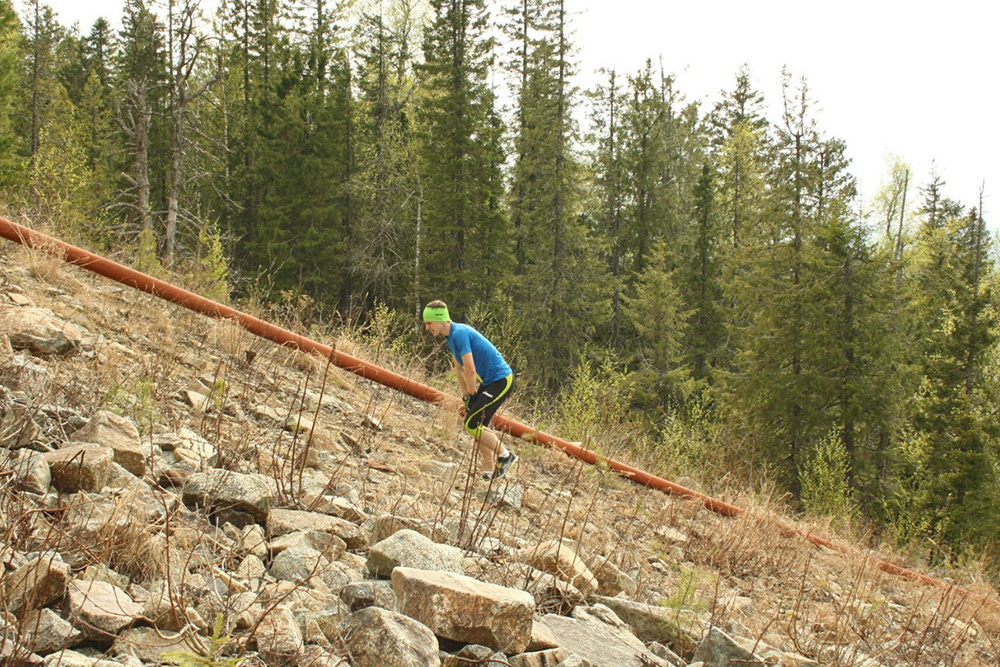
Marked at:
<point>701,277</point>
<point>955,419</point>
<point>559,277</point>
<point>43,36</point>
<point>12,163</point>
<point>786,368</point>
<point>740,136</point>
<point>661,380</point>
<point>465,238</point>
<point>303,161</point>
<point>386,185</point>
<point>612,189</point>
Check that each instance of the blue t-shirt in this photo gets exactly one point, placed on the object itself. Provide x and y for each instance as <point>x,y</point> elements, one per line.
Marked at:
<point>490,365</point>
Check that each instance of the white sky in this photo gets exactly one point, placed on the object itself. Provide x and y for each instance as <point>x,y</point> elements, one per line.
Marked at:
<point>888,76</point>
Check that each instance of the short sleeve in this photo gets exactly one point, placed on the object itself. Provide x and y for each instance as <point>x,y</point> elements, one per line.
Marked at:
<point>463,345</point>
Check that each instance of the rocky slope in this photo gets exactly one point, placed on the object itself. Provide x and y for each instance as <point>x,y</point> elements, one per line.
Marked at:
<point>177,491</point>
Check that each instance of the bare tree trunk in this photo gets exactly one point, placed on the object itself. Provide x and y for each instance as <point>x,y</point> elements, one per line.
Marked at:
<point>35,83</point>
<point>185,49</point>
<point>135,121</point>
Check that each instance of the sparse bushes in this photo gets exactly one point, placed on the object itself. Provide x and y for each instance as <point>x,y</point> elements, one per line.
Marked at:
<point>825,487</point>
<point>592,403</point>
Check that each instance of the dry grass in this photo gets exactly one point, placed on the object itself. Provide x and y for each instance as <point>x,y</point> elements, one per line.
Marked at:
<point>839,609</point>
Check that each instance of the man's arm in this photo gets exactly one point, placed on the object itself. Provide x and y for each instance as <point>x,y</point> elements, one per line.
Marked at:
<point>466,372</point>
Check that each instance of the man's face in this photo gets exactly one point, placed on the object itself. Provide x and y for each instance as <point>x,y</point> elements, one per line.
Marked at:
<point>436,328</point>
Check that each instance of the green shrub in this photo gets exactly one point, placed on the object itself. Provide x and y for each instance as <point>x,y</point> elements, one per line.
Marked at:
<point>824,476</point>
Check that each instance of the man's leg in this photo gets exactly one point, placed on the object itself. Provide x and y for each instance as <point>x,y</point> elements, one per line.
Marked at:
<point>490,450</point>
<point>481,410</point>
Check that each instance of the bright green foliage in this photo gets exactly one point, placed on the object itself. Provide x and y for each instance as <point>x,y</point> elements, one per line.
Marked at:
<point>213,653</point>
<point>61,182</point>
<point>825,488</point>
<point>592,402</point>
<point>211,272</point>
<point>148,254</point>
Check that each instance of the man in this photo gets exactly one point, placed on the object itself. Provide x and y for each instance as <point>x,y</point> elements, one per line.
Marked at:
<point>476,357</point>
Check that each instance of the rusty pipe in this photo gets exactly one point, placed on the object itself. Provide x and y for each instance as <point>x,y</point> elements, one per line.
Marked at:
<point>164,290</point>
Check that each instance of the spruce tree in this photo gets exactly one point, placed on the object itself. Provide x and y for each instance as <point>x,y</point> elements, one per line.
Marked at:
<point>386,185</point>
<point>955,419</point>
<point>465,242</point>
<point>612,191</point>
<point>12,150</point>
<point>304,220</point>
<point>701,278</point>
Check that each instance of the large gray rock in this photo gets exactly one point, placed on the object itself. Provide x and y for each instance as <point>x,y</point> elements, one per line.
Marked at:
<point>678,628</point>
<point>375,637</point>
<point>17,425</point>
<point>597,635</point>
<point>279,639</point>
<point>385,525</point>
<point>549,658</point>
<point>47,632</point>
<point>31,471</point>
<point>83,467</point>
<point>100,609</point>
<point>575,660</point>
<point>718,649</point>
<point>610,579</point>
<point>328,544</point>
<point>297,564</point>
<point>282,521</point>
<point>76,659</point>
<point>36,584</point>
<point>235,497</point>
<point>360,594</point>
<point>149,645</point>
<point>306,565</point>
<point>407,548</point>
<point>13,654</point>
<point>563,562</point>
<point>39,330</point>
<point>464,609</point>
<point>120,434</point>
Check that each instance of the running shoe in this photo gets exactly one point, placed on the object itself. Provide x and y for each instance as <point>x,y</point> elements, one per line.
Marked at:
<point>505,464</point>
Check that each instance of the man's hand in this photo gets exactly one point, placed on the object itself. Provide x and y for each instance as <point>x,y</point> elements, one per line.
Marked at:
<point>467,399</point>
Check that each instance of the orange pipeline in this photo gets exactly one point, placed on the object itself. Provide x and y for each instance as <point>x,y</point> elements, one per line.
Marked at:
<point>181,297</point>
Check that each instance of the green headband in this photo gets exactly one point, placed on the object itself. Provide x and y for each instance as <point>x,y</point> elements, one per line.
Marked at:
<point>438,314</point>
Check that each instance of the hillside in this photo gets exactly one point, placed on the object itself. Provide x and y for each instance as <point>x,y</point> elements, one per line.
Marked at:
<point>163,471</point>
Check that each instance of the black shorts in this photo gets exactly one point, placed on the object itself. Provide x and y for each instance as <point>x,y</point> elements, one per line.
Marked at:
<point>485,403</point>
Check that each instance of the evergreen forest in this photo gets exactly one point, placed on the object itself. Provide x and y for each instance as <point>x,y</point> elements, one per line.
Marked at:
<point>699,278</point>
